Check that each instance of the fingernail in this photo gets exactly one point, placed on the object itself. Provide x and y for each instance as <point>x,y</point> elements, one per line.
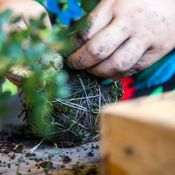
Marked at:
<point>107,82</point>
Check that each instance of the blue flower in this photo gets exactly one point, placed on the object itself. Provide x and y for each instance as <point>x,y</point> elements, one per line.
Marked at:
<point>52,6</point>
<point>73,11</point>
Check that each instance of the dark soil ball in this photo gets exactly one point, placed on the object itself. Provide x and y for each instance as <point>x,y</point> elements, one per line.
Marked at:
<point>75,118</point>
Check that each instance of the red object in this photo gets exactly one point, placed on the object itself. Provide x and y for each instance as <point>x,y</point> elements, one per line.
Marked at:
<point>128,88</point>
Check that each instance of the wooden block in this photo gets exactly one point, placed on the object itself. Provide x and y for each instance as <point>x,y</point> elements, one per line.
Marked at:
<point>138,137</point>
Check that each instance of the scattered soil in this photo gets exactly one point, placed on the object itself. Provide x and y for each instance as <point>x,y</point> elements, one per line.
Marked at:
<point>90,154</point>
<point>34,164</point>
<point>66,159</point>
<point>46,165</point>
<point>92,171</point>
<point>11,147</point>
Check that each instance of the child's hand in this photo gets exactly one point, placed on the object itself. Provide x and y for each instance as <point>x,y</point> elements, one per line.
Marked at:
<point>26,9</point>
<point>126,36</point>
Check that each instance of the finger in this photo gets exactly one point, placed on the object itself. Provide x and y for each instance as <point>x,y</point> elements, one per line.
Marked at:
<point>149,58</point>
<point>100,46</point>
<point>123,59</point>
<point>98,18</point>
<point>124,74</point>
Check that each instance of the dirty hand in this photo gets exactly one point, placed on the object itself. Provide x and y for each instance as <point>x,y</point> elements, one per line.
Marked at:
<point>126,36</point>
<point>26,9</point>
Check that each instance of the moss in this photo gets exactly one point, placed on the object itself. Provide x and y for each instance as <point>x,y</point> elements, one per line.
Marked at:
<point>76,118</point>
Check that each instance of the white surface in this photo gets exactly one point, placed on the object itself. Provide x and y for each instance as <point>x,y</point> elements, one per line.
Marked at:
<point>14,111</point>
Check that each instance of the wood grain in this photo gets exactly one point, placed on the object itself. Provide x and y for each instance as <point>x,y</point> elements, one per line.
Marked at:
<point>138,137</point>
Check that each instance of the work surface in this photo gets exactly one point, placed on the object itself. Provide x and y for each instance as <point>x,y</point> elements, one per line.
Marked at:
<point>46,160</point>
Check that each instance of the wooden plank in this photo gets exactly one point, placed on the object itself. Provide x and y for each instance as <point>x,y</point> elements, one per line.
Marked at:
<point>138,137</point>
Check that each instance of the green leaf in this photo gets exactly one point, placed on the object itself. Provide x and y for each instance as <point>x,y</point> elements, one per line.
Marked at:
<point>8,86</point>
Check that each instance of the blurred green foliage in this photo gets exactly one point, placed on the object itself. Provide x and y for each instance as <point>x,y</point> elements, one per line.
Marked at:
<point>28,48</point>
